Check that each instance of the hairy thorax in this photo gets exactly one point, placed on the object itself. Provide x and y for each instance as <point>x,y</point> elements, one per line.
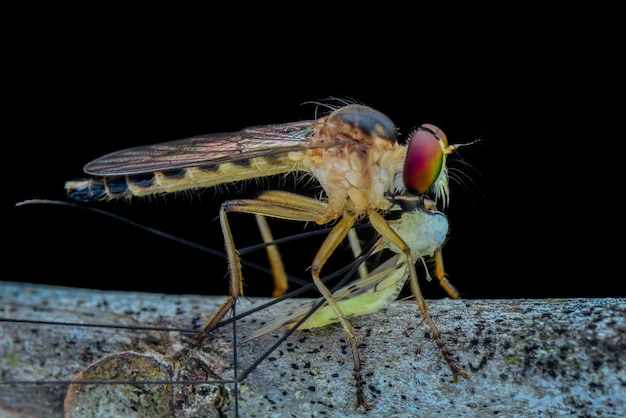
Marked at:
<point>356,174</point>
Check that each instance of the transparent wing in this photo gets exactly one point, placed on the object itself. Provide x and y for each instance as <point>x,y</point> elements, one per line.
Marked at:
<point>204,150</point>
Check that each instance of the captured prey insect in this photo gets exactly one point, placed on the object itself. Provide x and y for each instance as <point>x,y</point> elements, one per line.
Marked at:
<point>354,155</point>
<point>423,229</point>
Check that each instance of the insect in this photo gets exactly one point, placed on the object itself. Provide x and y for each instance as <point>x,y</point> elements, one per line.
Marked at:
<point>424,230</point>
<point>354,155</point>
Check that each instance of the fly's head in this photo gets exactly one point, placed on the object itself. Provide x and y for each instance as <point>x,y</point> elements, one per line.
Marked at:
<point>425,169</point>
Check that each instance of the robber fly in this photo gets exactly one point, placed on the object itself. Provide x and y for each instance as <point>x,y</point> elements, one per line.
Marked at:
<point>354,155</point>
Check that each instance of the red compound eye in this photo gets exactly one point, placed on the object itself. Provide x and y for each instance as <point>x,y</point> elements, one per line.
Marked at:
<point>424,158</point>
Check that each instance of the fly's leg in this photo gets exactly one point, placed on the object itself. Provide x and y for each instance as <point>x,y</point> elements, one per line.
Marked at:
<point>281,283</point>
<point>452,292</point>
<point>289,206</point>
<point>380,224</point>
<point>185,357</point>
<point>273,255</point>
<point>440,274</point>
<point>311,206</point>
<point>276,263</point>
<point>236,286</point>
<point>277,204</point>
<point>336,236</point>
<point>355,244</point>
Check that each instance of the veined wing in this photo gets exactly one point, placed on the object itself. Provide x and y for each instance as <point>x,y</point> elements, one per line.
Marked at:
<point>208,150</point>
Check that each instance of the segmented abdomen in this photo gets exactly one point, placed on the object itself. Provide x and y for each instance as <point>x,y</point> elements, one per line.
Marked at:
<point>146,184</point>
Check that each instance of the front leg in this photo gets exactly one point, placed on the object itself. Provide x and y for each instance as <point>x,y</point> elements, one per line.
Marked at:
<point>336,236</point>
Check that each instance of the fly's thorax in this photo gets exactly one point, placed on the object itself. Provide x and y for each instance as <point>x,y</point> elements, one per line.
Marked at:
<point>422,230</point>
<point>362,163</point>
<point>358,122</point>
<point>356,172</point>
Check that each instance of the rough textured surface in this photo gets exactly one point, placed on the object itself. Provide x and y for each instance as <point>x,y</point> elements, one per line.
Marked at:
<point>526,358</point>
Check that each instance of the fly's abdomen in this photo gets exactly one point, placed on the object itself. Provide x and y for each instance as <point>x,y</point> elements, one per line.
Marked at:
<point>86,190</point>
<point>107,188</point>
<point>171,181</point>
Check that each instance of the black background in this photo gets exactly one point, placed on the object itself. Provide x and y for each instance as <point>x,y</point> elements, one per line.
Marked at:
<point>522,225</point>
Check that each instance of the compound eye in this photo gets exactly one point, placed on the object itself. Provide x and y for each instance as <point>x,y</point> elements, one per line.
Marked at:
<point>424,159</point>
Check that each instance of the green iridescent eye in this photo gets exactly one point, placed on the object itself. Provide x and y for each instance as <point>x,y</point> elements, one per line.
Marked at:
<point>424,159</point>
